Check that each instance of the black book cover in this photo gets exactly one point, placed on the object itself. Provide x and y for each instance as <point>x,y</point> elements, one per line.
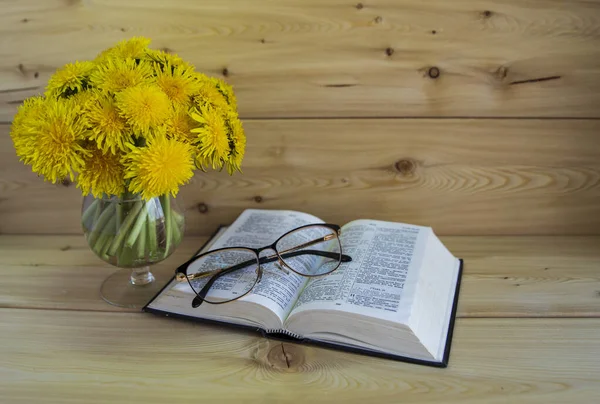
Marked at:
<point>288,338</point>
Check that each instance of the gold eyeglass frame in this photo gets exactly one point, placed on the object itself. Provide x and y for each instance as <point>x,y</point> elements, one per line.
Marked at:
<point>182,276</point>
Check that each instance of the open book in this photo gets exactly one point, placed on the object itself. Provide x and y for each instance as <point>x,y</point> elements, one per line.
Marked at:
<point>396,298</point>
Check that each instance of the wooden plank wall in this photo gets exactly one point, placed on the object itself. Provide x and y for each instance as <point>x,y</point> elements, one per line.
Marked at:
<point>472,116</point>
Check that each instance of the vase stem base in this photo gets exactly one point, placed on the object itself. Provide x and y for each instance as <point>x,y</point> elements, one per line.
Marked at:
<point>132,288</point>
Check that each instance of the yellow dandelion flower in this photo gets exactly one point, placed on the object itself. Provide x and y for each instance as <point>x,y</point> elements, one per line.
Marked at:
<point>70,79</point>
<point>59,135</point>
<point>176,81</point>
<point>133,48</point>
<point>108,129</point>
<point>118,74</point>
<point>144,107</point>
<point>179,126</point>
<point>226,91</point>
<point>102,173</point>
<point>237,143</point>
<point>84,99</point>
<point>104,56</point>
<point>159,168</point>
<point>163,58</point>
<point>211,138</point>
<point>158,131</point>
<point>207,94</point>
<point>24,127</point>
<point>30,111</point>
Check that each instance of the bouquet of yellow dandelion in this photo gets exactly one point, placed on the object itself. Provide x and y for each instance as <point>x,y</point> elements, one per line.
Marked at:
<point>132,125</point>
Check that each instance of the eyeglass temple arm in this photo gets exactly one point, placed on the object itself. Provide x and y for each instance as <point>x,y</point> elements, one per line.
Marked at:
<point>265,260</point>
<point>202,294</point>
<point>308,243</point>
<point>327,254</point>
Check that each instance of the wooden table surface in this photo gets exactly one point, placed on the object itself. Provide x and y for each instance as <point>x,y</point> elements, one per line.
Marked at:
<point>528,332</point>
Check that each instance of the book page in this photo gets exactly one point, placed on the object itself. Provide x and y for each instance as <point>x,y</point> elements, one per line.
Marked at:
<point>381,279</point>
<point>255,229</point>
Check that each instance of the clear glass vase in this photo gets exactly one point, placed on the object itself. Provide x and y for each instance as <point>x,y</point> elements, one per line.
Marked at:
<point>132,234</point>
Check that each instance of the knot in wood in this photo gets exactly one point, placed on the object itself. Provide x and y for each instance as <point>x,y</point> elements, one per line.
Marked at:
<point>486,14</point>
<point>433,72</point>
<point>286,357</point>
<point>360,6</point>
<point>66,182</point>
<point>258,199</point>
<point>202,207</point>
<point>406,167</point>
<point>225,72</point>
<point>502,72</point>
<point>389,51</point>
<point>378,20</point>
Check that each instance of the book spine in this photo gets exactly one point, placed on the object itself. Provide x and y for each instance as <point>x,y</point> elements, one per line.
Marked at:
<point>286,332</point>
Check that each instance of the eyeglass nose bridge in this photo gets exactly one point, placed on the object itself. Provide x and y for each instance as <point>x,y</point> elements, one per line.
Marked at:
<point>281,265</point>
<point>275,258</point>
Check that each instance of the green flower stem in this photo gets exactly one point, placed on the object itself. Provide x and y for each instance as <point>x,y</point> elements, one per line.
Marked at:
<point>125,257</point>
<point>137,228</point>
<point>107,242</point>
<point>176,231</point>
<point>152,239</point>
<point>124,229</point>
<point>178,218</point>
<point>119,214</point>
<point>102,221</point>
<point>97,213</point>
<point>111,226</point>
<point>89,212</point>
<point>141,241</point>
<point>97,247</point>
<point>166,205</point>
<point>177,227</point>
<point>125,208</point>
<point>109,231</point>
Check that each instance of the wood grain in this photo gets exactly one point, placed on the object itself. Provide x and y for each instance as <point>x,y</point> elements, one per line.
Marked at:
<point>67,273</point>
<point>507,179</point>
<point>57,356</point>
<point>503,276</point>
<point>528,276</point>
<point>298,58</point>
<point>458,176</point>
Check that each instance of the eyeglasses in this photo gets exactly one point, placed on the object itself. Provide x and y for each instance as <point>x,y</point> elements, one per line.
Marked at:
<point>311,251</point>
